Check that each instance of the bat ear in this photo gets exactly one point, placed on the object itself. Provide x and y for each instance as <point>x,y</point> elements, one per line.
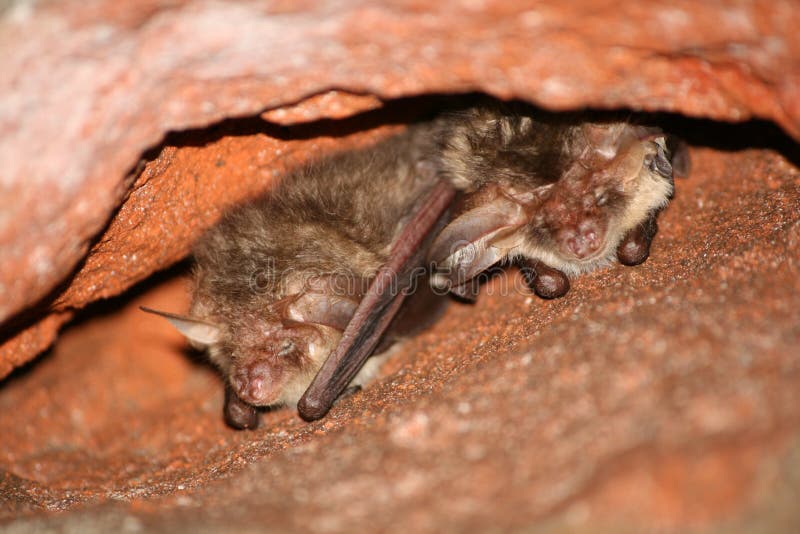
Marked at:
<point>681,162</point>
<point>605,139</point>
<point>677,149</point>
<point>470,244</point>
<point>647,133</point>
<point>195,331</point>
<point>319,308</point>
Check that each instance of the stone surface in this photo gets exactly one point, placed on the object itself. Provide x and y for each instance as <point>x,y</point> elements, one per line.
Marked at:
<point>660,397</point>
<point>88,87</point>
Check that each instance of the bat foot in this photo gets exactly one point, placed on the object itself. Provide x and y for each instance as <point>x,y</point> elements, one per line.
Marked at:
<point>633,252</point>
<point>635,246</point>
<point>546,282</point>
<point>238,414</point>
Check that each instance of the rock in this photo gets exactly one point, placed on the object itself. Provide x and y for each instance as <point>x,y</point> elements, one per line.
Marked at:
<point>659,397</point>
<point>87,89</point>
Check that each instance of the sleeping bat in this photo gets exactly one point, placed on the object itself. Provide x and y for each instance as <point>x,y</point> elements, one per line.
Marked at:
<point>277,280</point>
<point>558,194</point>
<point>297,289</point>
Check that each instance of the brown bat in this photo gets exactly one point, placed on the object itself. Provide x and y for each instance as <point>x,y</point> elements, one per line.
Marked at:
<point>277,281</point>
<point>269,303</point>
<point>557,193</point>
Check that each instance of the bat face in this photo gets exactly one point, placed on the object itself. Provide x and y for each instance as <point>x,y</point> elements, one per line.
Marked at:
<point>269,359</point>
<point>579,222</point>
<point>266,359</point>
<point>271,346</point>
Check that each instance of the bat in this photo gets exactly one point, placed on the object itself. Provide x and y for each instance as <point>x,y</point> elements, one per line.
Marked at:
<point>277,281</point>
<point>559,194</point>
<point>556,193</point>
<point>295,291</point>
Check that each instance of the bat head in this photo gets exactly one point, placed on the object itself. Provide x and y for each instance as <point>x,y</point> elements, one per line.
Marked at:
<point>561,192</point>
<point>267,360</point>
<point>263,358</point>
<point>614,180</point>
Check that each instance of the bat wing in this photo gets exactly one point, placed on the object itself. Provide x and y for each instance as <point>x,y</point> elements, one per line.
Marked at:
<point>483,235</point>
<point>379,306</point>
<point>317,308</point>
<point>470,244</point>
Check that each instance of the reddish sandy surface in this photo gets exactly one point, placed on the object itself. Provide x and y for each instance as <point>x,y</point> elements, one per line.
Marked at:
<point>661,396</point>
<point>87,88</point>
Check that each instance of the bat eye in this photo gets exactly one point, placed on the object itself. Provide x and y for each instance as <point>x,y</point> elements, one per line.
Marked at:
<point>286,348</point>
<point>602,199</point>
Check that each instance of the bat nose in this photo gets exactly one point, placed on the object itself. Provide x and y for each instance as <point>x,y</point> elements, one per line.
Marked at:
<point>583,241</point>
<point>253,383</point>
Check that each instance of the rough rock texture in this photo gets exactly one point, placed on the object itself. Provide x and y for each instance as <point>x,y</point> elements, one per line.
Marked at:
<point>86,87</point>
<point>665,396</point>
<point>662,397</point>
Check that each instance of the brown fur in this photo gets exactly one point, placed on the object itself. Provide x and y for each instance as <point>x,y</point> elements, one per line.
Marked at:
<point>565,169</point>
<point>334,219</point>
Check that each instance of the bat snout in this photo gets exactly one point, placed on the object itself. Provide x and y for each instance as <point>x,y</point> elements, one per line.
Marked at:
<point>255,383</point>
<point>582,242</point>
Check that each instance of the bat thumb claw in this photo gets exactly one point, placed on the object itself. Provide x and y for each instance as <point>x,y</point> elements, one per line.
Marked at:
<point>311,409</point>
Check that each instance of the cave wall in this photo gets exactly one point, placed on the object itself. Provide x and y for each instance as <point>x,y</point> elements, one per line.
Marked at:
<point>664,396</point>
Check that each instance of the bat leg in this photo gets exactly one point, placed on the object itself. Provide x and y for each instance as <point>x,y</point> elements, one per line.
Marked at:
<point>237,413</point>
<point>635,246</point>
<point>546,282</point>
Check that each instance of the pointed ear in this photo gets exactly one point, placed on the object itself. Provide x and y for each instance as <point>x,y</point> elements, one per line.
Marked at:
<point>195,331</point>
<point>322,309</point>
<point>681,161</point>
<point>467,246</point>
<point>677,150</point>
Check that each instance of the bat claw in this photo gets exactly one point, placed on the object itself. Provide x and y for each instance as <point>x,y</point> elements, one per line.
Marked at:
<point>635,246</point>
<point>633,252</point>
<point>311,409</point>
<point>237,413</point>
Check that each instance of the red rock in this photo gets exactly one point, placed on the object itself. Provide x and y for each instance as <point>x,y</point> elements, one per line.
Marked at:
<point>88,87</point>
<point>663,396</point>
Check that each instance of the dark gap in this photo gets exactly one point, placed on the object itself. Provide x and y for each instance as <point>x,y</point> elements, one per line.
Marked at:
<point>728,137</point>
<point>723,136</point>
